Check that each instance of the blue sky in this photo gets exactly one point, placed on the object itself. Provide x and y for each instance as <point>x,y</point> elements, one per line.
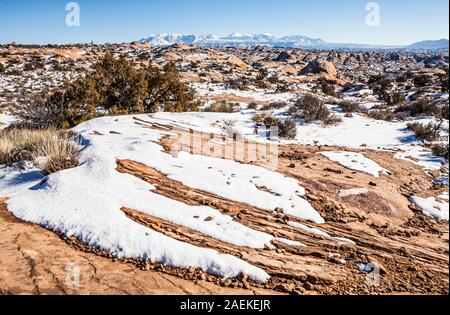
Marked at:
<point>402,21</point>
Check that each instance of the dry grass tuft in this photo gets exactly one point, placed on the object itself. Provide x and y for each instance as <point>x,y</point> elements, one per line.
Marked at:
<point>50,149</point>
<point>56,153</point>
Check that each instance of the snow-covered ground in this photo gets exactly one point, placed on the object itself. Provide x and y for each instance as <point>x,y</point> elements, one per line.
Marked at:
<point>432,207</point>
<point>92,202</point>
<point>357,132</point>
<point>6,120</point>
<point>259,95</point>
<point>355,161</point>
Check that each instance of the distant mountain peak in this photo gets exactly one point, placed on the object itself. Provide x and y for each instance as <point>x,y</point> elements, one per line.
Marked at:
<point>234,39</point>
<point>266,39</point>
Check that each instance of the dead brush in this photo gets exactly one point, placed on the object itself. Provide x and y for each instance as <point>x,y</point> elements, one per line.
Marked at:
<point>57,153</point>
<point>17,144</point>
<point>221,107</point>
<point>51,150</point>
<point>6,149</point>
<point>426,132</point>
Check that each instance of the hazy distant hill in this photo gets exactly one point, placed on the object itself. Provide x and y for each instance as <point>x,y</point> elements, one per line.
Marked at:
<point>430,44</point>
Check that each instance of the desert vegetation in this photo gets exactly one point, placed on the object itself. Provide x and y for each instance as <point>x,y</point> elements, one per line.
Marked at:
<point>115,86</point>
<point>48,149</point>
<point>441,150</point>
<point>427,132</point>
<point>221,107</point>
<point>287,129</point>
<point>310,108</point>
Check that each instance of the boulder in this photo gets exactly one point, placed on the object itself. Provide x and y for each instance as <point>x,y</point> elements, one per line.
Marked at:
<point>320,68</point>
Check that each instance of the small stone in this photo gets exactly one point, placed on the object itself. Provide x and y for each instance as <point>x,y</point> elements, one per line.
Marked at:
<point>308,286</point>
<point>285,287</point>
<point>299,291</point>
<point>191,270</point>
<point>243,277</point>
<point>337,260</point>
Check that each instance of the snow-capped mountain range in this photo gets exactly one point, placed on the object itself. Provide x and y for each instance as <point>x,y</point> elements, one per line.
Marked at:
<point>235,39</point>
<point>266,39</point>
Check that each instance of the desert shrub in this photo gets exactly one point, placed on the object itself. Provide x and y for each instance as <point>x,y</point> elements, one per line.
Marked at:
<point>51,150</point>
<point>273,79</point>
<point>426,132</point>
<point>56,153</point>
<point>274,105</point>
<point>310,108</point>
<point>166,91</point>
<point>115,86</point>
<point>282,87</point>
<point>327,89</point>
<point>382,114</point>
<point>270,121</point>
<point>259,118</point>
<point>62,109</point>
<point>252,105</point>
<point>262,84</point>
<point>13,72</point>
<point>33,65</point>
<point>238,84</point>
<point>58,66</point>
<point>262,74</point>
<point>287,129</point>
<point>123,89</point>
<point>220,107</point>
<point>2,68</point>
<point>441,150</point>
<point>41,112</point>
<point>401,79</point>
<point>349,107</point>
<point>444,112</point>
<point>422,106</point>
<point>443,82</point>
<point>381,85</point>
<point>18,144</point>
<point>397,98</point>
